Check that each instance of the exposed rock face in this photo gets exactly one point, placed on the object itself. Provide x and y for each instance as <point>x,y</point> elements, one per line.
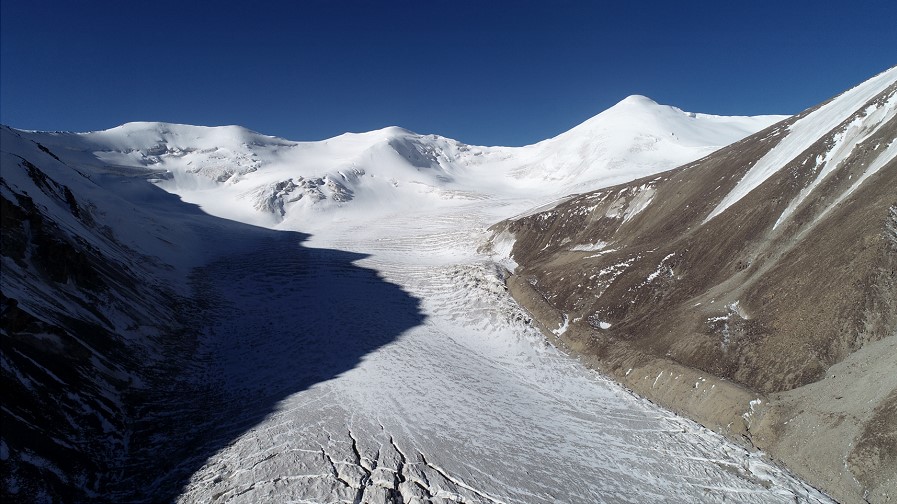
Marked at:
<point>75,303</point>
<point>756,270</point>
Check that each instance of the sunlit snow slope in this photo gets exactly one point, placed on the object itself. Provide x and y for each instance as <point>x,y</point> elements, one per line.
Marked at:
<point>236,173</point>
<point>378,360</point>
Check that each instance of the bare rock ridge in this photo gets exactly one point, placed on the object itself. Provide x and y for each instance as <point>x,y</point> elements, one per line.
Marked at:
<point>754,290</point>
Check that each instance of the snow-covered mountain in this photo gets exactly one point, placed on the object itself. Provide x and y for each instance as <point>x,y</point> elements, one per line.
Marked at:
<point>158,346</point>
<point>635,137</point>
<point>754,289</point>
<point>236,173</point>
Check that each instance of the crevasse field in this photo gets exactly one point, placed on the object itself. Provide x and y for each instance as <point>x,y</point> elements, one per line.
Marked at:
<point>469,405</point>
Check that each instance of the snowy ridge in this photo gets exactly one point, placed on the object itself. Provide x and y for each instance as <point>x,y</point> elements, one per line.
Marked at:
<point>807,130</point>
<point>635,132</point>
<point>236,173</point>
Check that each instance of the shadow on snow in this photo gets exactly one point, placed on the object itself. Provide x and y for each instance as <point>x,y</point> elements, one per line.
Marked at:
<point>269,321</point>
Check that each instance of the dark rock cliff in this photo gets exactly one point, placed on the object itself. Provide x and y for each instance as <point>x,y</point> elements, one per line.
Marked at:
<point>82,320</point>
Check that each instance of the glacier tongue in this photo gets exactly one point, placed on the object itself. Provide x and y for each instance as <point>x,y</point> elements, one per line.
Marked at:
<point>470,405</point>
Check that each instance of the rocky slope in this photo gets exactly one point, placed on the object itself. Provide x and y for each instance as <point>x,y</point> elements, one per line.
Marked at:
<point>755,289</point>
<point>82,321</point>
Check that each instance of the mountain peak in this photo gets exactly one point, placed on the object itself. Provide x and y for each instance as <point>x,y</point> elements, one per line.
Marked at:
<point>636,99</point>
<point>397,131</point>
<point>377,135</point>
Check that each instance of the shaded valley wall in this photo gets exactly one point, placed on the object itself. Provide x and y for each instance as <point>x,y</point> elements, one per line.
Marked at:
<point>141,335</point>
<point>82,323</point>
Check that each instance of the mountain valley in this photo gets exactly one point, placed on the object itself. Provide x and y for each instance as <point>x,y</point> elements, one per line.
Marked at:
<point>209,314</point>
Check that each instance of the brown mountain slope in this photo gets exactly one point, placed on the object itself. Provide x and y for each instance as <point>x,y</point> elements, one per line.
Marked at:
<point>738,313</point>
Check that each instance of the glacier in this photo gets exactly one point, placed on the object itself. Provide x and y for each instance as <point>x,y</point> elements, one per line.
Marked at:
<point>355,340</point>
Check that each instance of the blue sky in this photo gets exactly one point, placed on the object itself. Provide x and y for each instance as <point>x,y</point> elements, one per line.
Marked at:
<point>489,73</point>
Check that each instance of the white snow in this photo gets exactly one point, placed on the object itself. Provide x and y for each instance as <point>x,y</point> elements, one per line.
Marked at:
<point>639,202</point>
<point>805,132</point>
<point>852,134</point>
<point>887,155</point>
<point>660,269</point>
<point>562,328</point>
<point>233,172</point>
<point>607,148</point>
<point>752,407</point>
<point>501,247</point>
<point>590,247</point>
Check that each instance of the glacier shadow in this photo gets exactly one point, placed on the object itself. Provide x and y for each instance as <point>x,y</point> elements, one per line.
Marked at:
<point>267,321</point>
<point>117,386</point>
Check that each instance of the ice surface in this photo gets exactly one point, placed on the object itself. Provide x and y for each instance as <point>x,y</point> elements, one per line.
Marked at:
<point>472,405</point>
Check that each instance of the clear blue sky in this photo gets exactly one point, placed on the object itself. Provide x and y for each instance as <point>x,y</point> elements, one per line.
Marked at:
<point>483,72</point>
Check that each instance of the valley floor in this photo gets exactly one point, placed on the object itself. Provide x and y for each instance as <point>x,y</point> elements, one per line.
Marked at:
<point>462,401</point>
